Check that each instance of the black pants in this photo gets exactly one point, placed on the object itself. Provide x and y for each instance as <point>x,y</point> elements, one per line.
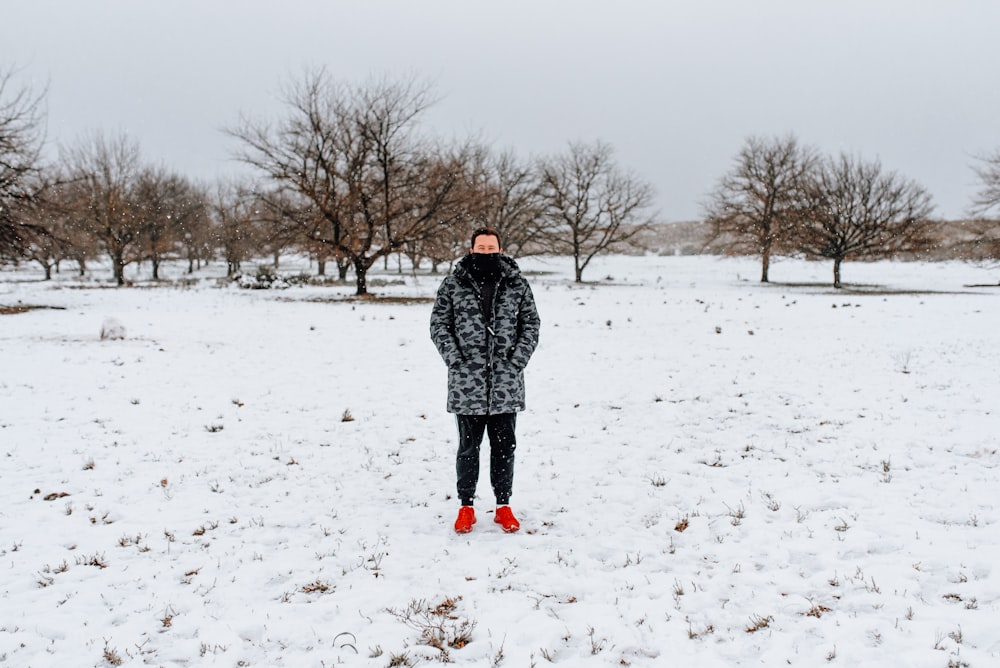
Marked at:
<point>502,444</point>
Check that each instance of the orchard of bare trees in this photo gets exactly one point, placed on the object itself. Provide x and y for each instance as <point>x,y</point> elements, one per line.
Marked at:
<point>781,197</point>
<point>21,173</point>
<point>348,174</point>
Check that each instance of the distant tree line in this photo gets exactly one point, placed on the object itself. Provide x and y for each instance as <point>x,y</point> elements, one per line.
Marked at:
<point>783,198</point>
<point>347,175</point>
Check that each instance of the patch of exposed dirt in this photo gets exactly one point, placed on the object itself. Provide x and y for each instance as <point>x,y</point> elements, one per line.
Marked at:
<point>375,299</point>
<point>24,308</point>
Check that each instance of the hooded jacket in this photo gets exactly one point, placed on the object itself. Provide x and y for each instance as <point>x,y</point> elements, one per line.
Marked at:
<point>485,362</point>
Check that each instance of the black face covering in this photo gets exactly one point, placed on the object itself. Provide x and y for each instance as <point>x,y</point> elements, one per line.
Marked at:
<point>485,266</point>
<point>485,269</point>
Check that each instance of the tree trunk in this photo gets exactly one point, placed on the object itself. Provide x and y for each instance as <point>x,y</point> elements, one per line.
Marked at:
<point>320,267</point>
<point>156,268</point>
<point>836,271</point>
<point>361,271</point>
<point>119,267</point>
<point>765,265</point>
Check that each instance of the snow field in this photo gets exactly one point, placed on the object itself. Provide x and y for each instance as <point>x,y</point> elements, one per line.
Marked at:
<point>710,471</point>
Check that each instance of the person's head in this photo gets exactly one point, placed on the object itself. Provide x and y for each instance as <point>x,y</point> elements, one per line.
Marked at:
<point>486,240</point>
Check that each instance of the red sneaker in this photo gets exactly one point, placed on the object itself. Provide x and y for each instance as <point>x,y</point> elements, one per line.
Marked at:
<point>466,518</point>
<point>505,518</point>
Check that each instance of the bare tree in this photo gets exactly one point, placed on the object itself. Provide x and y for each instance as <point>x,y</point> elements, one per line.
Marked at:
<point>984,244</point>
<point>48,248</point>
<point>365,181</point>
<point>171,211</point>
<point>234,213</point>
<point>298,155</point>
<point>60,214</point>
<point>591,204</point>
<point>104,173</point>
<point>986,206</point>
<point>448,243</point>
<point>753,205</point>
<point>504,192</point>
<point>284,220</point>
<point>988,173</point>
<point>21,139</point>
<point>194,227</point>
<point>857,210</point>
<point>495,190</point>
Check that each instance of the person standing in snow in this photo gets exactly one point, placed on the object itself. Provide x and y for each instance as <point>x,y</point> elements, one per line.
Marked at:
<point>485,326</point>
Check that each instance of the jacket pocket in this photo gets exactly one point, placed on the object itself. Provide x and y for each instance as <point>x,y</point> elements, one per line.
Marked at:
<point>506,374</point>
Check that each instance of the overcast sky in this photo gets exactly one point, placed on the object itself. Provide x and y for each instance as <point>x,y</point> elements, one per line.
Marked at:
<point>674,87</point>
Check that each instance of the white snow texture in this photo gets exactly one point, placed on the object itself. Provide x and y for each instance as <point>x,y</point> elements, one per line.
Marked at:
<point>711,472</point>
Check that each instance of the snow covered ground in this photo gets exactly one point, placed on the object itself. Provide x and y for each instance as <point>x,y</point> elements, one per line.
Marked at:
<point>711,472</point>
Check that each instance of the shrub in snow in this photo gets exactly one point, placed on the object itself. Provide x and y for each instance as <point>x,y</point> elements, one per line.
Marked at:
<point>267,278</point>
<point>112,330</point>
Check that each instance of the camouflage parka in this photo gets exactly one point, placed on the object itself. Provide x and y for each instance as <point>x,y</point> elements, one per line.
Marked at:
<point>485,365</point>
